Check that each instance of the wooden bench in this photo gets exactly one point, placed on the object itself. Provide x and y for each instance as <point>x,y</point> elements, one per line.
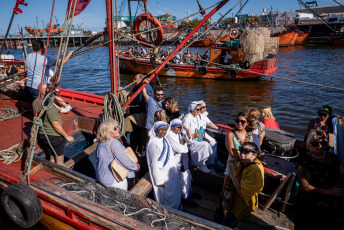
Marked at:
<point>71,162</point>
<point>143,187</point>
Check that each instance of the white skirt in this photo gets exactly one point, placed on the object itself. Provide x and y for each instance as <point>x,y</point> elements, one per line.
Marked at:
<point>122,185</point>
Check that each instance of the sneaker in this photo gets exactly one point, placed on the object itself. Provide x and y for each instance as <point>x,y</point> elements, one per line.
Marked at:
<point>212,171</point>
<point>204,169</point>
<point>69,106</point>
<point>219,164</point>
<point>64,110</point>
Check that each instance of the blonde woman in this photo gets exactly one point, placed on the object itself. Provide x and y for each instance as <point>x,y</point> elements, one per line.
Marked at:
<point>268,119</point>
<point>171,108</point>
<point>108,149</point>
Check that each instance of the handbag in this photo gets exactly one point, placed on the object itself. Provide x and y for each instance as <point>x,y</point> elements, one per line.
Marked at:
<point>118,171</point>
<point>227,195</point>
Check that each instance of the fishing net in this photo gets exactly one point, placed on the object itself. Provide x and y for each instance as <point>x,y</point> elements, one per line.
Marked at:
<point>258,44</point>
<point>122,201</point>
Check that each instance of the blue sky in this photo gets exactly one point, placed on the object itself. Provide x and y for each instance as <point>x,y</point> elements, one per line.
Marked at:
<point>93,17</point>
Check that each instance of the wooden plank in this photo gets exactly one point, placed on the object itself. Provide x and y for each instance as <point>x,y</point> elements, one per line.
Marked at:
<point>36,169</point>
<point>52,223</point>
<point>143,187</point>
<point>64,173</point>
<point>275,194</point>
<point>80,156</point>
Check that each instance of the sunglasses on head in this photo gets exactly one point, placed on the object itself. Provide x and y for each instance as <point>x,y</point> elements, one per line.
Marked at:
<point>245,150</point>
<point>317,142</point>
<point>240,121</point>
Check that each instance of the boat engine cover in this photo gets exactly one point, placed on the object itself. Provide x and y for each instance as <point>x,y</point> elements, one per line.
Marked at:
<point>278,142</point>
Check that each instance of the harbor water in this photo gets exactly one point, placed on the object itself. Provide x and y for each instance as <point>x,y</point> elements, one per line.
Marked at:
<point>293,104</point>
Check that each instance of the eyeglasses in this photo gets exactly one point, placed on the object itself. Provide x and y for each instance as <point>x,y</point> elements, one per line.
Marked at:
<point>322,115</point>
<point>240,121</point>
<point>204,107</point>
<point>317,142</point>
<point>160,94</point>
<point>197,109</point>
<point>246,150</point>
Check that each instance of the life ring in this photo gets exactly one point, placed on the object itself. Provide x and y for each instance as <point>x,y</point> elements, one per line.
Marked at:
<point>234,33</point>
<point>22,205</point>
<point>166,67</point>
<point>155,22</point>
<point>133,63</point>
<point>232,73</point>
<point>203,70</point>
<point>247,65</point>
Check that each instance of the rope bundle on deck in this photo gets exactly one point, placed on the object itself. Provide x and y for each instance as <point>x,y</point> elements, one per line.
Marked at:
<point>8,113</point>
<point>10,155</point>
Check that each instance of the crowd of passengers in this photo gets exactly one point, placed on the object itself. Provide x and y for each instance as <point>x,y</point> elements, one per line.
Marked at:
<point>180,58</point>
<point>177,141</point>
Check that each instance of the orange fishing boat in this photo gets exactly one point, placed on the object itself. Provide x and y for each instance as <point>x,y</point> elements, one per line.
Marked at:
<point>287,38</point>
<point>301,38</point>
<point>54,29</point>
<point>239,69</point>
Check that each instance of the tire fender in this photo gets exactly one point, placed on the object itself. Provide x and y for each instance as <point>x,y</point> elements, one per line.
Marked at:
<point>247,65</point>
<point>232,73</point>
<point>203,70</point>
<point>166,67</point>
<point>22,205</point>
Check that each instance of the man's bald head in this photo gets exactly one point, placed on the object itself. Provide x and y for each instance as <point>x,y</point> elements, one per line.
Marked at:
<point>43,88</point>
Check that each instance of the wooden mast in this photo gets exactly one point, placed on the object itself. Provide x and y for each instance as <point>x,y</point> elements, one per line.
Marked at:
<point>112,50</point>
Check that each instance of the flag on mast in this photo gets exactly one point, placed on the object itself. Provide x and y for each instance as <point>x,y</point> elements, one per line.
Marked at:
<point>16,9</point>
<point>79,6</point>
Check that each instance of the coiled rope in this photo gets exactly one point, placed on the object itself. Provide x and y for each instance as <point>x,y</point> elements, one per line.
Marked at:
<point>10,155</point>
<point>113,109</point>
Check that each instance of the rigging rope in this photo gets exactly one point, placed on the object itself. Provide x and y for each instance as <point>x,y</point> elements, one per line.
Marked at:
<point>113,109</point>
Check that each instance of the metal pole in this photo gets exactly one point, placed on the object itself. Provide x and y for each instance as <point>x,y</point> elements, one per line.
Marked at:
<point>219,6</point>
<point>8,30</point>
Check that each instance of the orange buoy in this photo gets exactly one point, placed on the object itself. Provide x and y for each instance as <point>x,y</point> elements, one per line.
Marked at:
<point>234,33</point>
<point>155,22</point>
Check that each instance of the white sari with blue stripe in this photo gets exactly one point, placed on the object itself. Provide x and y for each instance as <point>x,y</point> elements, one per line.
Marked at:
<point>162,169</point>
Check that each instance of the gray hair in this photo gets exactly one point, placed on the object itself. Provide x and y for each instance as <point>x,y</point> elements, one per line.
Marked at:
<point>104,130</point>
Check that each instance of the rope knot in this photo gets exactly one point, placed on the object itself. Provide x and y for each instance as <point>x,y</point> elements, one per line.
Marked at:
<point>38,121</point>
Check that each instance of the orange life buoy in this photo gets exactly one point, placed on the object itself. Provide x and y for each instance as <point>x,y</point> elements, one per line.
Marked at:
<point>234,33</point>
<point>155,22</point>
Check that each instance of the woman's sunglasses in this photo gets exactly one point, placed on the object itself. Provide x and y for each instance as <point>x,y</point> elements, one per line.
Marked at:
<point>246,150</point>
<point>240,121</point>
<point>317,142</point>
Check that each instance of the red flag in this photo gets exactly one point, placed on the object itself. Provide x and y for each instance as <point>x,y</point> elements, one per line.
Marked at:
<point>79,7</point>
<point>16,9</point>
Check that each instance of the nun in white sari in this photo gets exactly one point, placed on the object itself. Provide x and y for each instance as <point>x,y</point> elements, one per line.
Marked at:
<point>178,141</point>
<point>200,151</point>
<point>162,168</point>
